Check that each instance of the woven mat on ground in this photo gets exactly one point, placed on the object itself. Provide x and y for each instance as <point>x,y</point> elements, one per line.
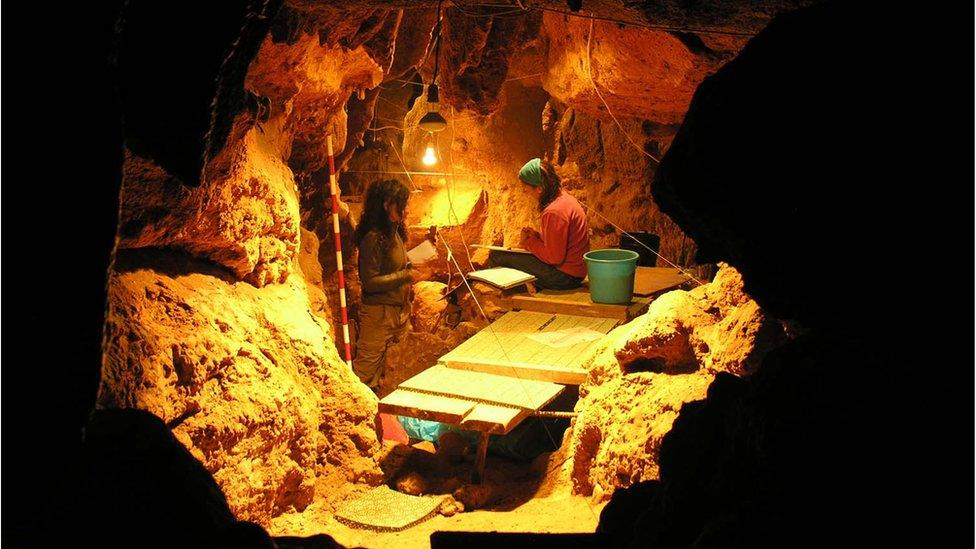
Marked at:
<point>384,509</point>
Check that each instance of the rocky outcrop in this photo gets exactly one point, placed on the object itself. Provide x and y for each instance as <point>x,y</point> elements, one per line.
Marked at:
<point>245,220</point>
<point>604,166</point>
<point>428,304</point>
<point>639,73</point>
<point>645,371</point>
<point>309,83</point>
<point>247,378</point>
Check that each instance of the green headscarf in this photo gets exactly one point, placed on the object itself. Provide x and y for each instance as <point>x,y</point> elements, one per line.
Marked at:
<point>531,173</point>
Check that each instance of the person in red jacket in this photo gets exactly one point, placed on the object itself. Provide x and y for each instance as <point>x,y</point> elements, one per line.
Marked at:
<point>557,251</point>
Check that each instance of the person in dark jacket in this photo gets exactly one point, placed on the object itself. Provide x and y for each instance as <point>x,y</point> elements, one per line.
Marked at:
<point>386,277</point>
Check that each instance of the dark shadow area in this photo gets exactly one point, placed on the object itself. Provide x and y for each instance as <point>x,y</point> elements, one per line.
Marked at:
<point>171,263</point>
<point>792,166</point>
<point>135,484</point>
<point>658,365</point>
<point>63,157</point>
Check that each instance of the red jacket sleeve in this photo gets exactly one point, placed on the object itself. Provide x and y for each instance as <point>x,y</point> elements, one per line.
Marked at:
<point>551,248</point>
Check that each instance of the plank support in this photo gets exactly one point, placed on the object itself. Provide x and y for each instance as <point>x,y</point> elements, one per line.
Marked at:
<point>479,464</point>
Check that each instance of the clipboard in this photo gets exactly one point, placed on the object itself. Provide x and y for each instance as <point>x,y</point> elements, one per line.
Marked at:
<point>501,248</point>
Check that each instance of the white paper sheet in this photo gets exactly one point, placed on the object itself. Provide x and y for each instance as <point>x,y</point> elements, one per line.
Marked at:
<point>422,253</point>
<point>566,337</point>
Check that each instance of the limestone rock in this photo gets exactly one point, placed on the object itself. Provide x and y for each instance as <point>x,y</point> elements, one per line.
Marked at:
<point>246,377</point>
<point>414,353</point>
<point>428,303</point>
<point>618,432</point>
<point>643,372</point>
<point>309,83</point>
<point>640,73</point>
<point>244,218</point>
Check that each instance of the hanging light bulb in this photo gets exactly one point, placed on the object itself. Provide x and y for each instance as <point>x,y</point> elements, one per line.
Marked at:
<point>430,156</point>
<point>433,121</point>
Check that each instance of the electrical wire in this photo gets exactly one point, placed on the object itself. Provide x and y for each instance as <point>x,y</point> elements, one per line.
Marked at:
<point>589,73</point>
<point>437,44</point>
<point>524,77</point>
<point>398,107</point>
<point>450,200</point>
<point>615,226</point>
<point>464,279</point>
<point>405,170</point>
<point>457,8</point>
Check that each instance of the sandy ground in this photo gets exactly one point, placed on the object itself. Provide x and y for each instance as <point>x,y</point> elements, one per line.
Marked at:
<point>557,514</point>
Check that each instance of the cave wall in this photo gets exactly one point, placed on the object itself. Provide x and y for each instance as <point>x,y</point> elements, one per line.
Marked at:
<point>538,72</point>
<point>230,344</point>
<point>211,324</point>
<point>832,423</point>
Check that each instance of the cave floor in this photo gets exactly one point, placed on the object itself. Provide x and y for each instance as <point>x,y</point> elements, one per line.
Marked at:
<point>518,497</point>
<point>554,514</point>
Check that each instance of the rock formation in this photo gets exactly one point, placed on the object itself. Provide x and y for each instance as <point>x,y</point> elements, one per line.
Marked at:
<point>247,378</point>
<point>646,370</point>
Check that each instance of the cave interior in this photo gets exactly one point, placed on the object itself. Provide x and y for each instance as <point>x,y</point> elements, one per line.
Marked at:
<point>805,371</point>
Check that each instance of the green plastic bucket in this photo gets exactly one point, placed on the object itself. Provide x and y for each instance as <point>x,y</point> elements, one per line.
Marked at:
<point>611,272</point>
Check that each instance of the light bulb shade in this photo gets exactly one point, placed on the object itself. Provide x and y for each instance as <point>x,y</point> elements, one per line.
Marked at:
<point>429,157</point>
<point>432,122</point>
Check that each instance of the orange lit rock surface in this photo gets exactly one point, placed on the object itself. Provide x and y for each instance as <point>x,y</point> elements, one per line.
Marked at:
<point>641,73</point>
<point>309,83</point>
<point>245,219</point>
<point>428,303</point>
<point>247,378</point>
<point>645,370</point>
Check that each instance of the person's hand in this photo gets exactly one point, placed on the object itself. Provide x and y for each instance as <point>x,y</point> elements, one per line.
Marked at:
<point>527,234</point>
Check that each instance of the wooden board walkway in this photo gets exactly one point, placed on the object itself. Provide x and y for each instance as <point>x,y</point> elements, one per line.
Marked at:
<point>496,389</point>
<point>478,401</point>
<point>506,348</point>
<point>488,403</point>
<point>651,280</point>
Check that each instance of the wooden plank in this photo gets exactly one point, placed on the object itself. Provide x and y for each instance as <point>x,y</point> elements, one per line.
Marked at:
<point>463,384</point>
<point>546,304</point>
<point>506,349</point>
<point>577,303</point>
<point>497,420</point>
<point>651,280</point>
<point>638,307</point>
<point>425,406</point>
<point>475,416</point>
<point>539,372</point>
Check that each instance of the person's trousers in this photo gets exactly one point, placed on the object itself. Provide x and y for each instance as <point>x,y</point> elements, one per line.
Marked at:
<point>379,327</point>
<point>547,276</point>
